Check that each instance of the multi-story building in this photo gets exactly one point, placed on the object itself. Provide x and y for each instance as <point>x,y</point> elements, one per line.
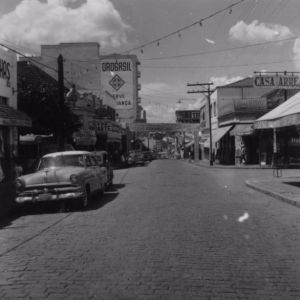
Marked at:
<point>239,105</point>
<point>111,79</point>
<point>205,129</point>
<point>187,116</point>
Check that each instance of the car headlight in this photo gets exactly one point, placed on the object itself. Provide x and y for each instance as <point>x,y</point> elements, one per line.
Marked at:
<point>20,185</point>
<point>73,179</point>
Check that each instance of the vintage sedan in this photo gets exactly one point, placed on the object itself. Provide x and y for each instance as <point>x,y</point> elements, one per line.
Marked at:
<point>62,176</point>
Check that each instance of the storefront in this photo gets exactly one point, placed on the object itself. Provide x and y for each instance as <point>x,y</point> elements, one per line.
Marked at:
<point>10,117</point>
<point>110,136</point>
<point>240,104</point>
<point>279,132</point>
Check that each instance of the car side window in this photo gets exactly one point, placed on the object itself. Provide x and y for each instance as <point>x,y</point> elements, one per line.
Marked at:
<point>93,161</point>
<point>88,161</point>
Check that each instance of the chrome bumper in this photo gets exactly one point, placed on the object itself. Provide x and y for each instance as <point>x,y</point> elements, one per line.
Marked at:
<point>56,195</point>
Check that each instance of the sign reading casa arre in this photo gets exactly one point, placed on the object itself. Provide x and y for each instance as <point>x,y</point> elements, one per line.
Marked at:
<point>117,77</point>
<point>276,81</point>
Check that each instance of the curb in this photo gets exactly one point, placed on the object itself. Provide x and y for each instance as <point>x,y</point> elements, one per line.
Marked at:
<point>232,167</point>
<point>273,194</point>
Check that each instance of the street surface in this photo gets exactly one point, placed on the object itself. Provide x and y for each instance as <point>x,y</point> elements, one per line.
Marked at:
<point>169,230</point>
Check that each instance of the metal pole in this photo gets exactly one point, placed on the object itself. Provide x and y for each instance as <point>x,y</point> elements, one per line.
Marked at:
<point>196,145</point>
<point>61,96</point>
<point>210,130</point>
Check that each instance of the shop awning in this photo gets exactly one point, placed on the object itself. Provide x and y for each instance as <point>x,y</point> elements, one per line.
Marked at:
<point>242,129</point>
<point>217,134</point>
<point>13,117</point>
<point>286,114</point>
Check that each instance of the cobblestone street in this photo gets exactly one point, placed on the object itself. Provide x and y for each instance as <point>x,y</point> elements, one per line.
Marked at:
<point>169,230</point>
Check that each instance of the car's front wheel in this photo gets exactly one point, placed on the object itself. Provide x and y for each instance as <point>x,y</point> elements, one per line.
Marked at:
<point>84,201</point>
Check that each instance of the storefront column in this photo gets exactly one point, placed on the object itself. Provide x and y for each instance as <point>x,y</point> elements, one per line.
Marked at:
<point>274,146</point>
<point>196,145</point>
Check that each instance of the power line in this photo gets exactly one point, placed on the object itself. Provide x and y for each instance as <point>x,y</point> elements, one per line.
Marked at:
<point>34,61</point>
<point>178,31</point>
<point>221,66</point>
<point>221,50</point>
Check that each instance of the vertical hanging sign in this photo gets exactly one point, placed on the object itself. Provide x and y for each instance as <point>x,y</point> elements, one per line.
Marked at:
<point>117,77</point>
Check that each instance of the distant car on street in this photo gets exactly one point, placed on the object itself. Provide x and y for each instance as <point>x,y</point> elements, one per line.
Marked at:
<point>62,176</point>
<point>106,165</point>
<point>163,155</point>
<point>147,156</point>
<point>135,158</point>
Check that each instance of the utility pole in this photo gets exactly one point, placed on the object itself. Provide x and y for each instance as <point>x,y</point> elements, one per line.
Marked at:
<point>61,95</point>
<point>207,92</point>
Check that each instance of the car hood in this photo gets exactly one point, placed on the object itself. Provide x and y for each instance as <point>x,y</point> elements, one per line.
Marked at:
<point>51,175</point>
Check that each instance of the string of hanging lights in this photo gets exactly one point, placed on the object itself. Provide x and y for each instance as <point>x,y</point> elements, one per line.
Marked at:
<point>179,31</point>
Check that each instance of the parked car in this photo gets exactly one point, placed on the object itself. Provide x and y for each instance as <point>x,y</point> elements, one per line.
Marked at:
<point>62,176</point>
<point>147,156</point>
<point>135,158</point>
<point>106,165</point>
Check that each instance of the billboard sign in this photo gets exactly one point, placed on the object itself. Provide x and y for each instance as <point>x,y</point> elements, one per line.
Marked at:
<point>276,81</point>
<point>117,79</point>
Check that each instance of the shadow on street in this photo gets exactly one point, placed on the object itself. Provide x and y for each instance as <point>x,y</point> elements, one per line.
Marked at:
<point>95,203</point>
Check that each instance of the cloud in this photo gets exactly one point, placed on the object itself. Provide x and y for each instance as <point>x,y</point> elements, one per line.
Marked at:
<point>153,88</point>
<point>33,23</point>
<point>219,81</point>
<point>210,41</point>
<point>161,100</point>
<point>258,32</point>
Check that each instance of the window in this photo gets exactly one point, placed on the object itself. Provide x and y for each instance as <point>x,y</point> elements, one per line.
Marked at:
<point>215,108</point>
<point>93,161</point>
<point>3,100</point>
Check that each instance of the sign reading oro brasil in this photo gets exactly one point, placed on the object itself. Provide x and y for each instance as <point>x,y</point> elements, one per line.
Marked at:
<point>276,81</point>
<point>117,77</point>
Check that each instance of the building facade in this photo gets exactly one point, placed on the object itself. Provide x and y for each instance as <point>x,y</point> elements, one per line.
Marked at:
<point>112,80</point>
<point>239,105</point>
<point>187,116</point>
<point>10,118</point>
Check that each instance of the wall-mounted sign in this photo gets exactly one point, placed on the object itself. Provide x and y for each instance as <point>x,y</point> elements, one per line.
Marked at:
<point>117,78</point>
<point>276,81</point>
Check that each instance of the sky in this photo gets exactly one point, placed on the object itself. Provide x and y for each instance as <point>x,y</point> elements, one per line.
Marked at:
<point>254,35</point>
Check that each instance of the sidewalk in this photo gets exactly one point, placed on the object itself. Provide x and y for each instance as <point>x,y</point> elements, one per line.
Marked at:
<point>6,199</point>
<point>285,188</point>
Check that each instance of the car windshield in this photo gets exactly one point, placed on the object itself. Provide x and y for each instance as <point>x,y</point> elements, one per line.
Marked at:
<point>62,161</point>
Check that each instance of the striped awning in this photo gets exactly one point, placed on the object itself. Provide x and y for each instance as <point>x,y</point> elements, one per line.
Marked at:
<point>217,134</point>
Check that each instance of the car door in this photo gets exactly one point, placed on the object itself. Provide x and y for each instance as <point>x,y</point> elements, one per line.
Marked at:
<point>98,173</point>
<point>91,174</point>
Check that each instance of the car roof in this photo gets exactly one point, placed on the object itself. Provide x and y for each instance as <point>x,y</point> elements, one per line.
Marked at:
<point>100,152</point>
<point>74,152</point>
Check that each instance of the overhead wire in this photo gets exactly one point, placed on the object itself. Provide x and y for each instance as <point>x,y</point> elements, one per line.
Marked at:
<point>221,66</point>
<point>33,60</point>
<point>178,31</point>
